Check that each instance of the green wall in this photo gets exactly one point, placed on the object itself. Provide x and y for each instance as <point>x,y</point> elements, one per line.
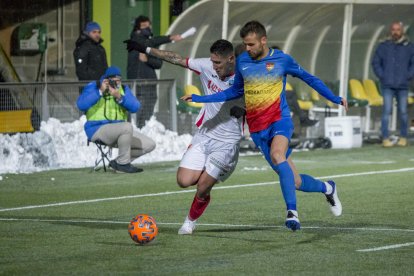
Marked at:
<point>119,15</point>
<point>122,22</point>
<point>123,16</point>
<point>102,15</point>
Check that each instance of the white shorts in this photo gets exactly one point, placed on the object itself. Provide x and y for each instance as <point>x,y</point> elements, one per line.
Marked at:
<point>218,159</point>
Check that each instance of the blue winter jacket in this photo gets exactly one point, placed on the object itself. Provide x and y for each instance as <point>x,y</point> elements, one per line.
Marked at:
<point>90,96</point>
<point>393,63</point>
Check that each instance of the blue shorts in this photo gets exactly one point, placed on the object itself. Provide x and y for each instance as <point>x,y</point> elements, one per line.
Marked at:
<point>263,139</point>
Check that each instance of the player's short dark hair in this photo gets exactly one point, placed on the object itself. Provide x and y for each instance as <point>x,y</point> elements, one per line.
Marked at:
<point>140,19</point>
<point>222,48</point>
<point>253,27</point>
<point>240,48</point>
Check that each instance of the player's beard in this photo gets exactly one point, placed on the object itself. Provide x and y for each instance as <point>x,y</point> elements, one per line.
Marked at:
<point>258,53</point>
<point>253,55</point>
<point>396,37</point>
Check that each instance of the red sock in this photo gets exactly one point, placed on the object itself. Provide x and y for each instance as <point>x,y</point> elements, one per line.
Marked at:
<point>198,206</point>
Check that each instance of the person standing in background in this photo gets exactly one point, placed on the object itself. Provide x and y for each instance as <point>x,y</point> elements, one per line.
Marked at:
<point>89,54</point>
<point>393,63</point>
<point>143,66</point>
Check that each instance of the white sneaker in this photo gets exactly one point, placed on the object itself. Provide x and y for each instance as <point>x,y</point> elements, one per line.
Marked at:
<point>333,200</point>
<point>187,227</point>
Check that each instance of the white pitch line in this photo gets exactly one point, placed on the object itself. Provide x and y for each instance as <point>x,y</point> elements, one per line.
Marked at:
<point>218,187</point>
<point>215,225</point>
<point>386,247</point>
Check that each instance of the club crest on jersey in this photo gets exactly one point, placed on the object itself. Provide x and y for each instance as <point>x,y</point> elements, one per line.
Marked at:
<point>270,66</point>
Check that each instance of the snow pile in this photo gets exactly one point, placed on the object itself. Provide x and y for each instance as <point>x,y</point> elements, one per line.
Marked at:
<point>170,145</point>
<point>64,145</point>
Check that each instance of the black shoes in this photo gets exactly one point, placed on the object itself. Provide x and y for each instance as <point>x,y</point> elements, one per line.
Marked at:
<point>127,168</point>
<point>306,122</point>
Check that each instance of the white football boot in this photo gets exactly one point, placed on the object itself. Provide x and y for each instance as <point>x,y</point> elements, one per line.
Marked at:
<point>333,199</point>
<point>188,227</point>
<point>292,220</point>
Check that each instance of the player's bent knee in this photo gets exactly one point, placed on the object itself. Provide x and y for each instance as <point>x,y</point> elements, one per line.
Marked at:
<point>278,157</point>
<point>187,177</point>
<point>185,181</point>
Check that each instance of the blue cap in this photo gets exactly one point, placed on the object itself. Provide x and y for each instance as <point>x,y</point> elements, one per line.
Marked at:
<point>112,71</point>
<point>91,26</point>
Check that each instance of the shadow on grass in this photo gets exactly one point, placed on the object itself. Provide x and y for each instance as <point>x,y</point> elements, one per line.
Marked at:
<point>313,226</point>
<point>234,229</point>
<point>153,243</point>
<point>257,241</point>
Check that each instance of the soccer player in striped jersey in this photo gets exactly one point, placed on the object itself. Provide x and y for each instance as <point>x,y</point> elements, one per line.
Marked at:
<point>261,77</point>
<point>213,153</point>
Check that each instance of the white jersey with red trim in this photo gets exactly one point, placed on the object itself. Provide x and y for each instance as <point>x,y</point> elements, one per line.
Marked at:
<point>214,119</point>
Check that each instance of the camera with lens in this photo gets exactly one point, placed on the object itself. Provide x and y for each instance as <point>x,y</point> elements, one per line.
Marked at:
<point>112,83</point>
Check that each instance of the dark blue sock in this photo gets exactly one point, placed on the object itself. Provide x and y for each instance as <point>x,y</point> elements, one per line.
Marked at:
<point>311,185</point>
<point>287,183</point>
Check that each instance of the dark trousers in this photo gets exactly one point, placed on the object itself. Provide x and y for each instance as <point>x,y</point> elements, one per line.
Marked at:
<point>402,101</point>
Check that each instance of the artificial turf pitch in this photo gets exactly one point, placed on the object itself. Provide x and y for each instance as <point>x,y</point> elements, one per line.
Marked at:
<point>77,222</point>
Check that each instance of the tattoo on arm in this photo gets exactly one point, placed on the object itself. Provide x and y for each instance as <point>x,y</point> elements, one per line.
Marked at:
<point>169,56</point>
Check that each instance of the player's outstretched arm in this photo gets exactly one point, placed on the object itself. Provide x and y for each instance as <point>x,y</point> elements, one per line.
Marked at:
<point>187,98</point>
<point>167,56</point>
<point>233,92</point>
<point>293,68</point>
<point>229,94</point>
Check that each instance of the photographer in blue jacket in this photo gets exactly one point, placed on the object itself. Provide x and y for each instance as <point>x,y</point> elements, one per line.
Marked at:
<point>106,103</point>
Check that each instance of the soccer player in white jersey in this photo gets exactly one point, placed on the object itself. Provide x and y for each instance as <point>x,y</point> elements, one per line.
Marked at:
<point>213,152</point>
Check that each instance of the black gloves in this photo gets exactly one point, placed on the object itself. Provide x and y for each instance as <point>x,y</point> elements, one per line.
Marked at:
<point>237,111</point>
<point>135,46</point>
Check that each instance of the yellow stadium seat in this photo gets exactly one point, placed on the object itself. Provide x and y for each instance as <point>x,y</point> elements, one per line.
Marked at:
<point>410,100</point>
<point>371,90</point>
<point>317,98</point>
<point>303,104</point>
<point>369,93</point>
<point>357,90</point>
<point>16,121</point>
<point>192,89</point>
<point>288,87</point>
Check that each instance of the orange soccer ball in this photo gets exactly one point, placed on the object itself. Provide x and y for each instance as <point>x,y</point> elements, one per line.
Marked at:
<point>142,229</point>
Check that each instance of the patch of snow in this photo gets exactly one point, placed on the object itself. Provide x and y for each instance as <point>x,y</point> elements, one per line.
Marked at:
<point>64,145</point>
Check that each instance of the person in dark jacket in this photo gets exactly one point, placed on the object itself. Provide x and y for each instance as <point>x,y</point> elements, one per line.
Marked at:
<point>89,55</point>
<point>393,63</point>
<point>106,103</point>
<point>143,66</point>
